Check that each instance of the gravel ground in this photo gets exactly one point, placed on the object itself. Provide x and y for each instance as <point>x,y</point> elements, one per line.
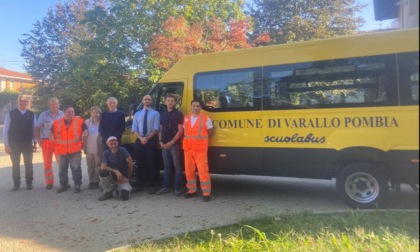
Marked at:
<point>41,220</point>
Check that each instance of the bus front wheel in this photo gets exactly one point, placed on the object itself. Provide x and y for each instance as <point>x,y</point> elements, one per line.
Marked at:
<point>362,185</point>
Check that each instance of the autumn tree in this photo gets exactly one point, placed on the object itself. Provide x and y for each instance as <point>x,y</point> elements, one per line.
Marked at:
<point>140,20</point>
<point>296,20</point>
<point>180,39</point>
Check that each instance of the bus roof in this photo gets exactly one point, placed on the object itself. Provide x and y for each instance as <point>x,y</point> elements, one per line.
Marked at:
<point>366,44</point>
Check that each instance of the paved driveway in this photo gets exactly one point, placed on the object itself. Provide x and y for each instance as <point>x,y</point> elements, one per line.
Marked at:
<point>41,220</point>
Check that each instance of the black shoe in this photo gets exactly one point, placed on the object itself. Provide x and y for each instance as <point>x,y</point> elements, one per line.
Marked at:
<point>189,195</point>
<point>90,186</point>
<point>63,188</point>
<point>76,189</point>
<point>125,194</point>
<point>163,190</point>
<point>178,192</point>
<point>15,188</point>
<point>206,198</point>
<point>106,196</point>
<point>96,185</point>
<point>153,190</point>
<point>49,186</point>
<point>136,189</point>
<point>29,187</point>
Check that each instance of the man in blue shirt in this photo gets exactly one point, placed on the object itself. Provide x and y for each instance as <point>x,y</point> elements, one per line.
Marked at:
<point>42,131</point>
<point>146,127</point>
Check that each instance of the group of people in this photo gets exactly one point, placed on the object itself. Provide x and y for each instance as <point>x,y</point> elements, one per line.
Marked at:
<point>109,165</point>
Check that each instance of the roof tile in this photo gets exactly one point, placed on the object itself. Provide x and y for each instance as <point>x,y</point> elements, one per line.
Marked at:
<point>13,74</point>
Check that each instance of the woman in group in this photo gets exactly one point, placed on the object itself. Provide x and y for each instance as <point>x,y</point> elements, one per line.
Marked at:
<point>93,147</point>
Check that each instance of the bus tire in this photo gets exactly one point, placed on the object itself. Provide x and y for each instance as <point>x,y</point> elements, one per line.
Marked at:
<point>362,185</point>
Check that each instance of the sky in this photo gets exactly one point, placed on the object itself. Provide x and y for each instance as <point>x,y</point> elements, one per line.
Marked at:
<point>18,17</point>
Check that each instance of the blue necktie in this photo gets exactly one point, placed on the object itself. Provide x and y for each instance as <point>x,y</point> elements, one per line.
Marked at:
<point>145,123</point>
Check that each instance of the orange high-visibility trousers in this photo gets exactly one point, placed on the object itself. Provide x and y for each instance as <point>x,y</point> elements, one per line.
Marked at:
<point>48,151</point>
<point>199,159</point>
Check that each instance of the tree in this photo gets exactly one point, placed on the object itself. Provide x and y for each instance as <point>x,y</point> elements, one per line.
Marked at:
<point>86,50</point>
<point>180,39</point>
<point>52,41</point>
<point>104,69</point>
<point>140,20</point>
<point>74,53</point>
<point>297,20</point>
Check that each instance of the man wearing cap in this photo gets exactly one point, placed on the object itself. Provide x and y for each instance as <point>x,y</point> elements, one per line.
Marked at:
<point>116,169</point>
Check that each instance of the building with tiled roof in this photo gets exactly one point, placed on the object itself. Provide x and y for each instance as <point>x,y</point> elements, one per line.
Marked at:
<point>14,81</point>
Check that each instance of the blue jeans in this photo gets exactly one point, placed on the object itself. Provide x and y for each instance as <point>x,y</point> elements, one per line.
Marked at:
<point>75,162</point>
<point>172,157</point>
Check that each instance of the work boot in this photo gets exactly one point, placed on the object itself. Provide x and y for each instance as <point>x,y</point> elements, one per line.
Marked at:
<point>29,187</point>
<point>63,188</point>
<point>49,186</point>
<point>76,189</point>
<point>206,198</point>
<point>125,194</point>
<point>189,195</point>
<point>106,196</point>
<point>90,186</point>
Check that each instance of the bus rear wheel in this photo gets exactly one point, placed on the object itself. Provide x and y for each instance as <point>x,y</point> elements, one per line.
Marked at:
<point>362,185</point>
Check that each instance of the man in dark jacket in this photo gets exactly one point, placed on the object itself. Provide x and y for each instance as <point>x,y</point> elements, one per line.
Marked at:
<point>19,139</point>
<point>112,122</point>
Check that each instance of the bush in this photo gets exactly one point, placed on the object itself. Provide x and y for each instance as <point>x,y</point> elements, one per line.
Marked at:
<point>6,97</point>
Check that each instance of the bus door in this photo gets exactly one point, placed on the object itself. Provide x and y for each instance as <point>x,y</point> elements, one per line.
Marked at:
<point>161,90</point>
<point>232,100</point>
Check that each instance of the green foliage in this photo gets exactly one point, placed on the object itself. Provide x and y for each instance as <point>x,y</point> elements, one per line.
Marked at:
<point>295,20</point>
<point>138,21</point>
<point>84,51</point>
<point>353,231</point>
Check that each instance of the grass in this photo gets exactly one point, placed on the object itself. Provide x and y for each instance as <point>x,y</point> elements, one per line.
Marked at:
<point>352,231</point>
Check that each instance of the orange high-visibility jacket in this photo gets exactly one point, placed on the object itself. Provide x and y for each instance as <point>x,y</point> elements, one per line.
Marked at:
<point>68,140</point>
<point>195,138</point>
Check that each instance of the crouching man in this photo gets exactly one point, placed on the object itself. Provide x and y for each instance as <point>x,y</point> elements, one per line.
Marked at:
<point>116,169</point>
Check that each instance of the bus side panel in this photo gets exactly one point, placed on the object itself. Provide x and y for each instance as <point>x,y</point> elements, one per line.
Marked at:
<point>234,160</point>
<point>295,162</point>
<point>404,167</point>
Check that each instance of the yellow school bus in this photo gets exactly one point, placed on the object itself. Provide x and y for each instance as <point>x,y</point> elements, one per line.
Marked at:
<point>344,108</point>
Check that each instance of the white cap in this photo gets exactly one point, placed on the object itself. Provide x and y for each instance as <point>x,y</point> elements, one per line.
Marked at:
<point>111,138</point>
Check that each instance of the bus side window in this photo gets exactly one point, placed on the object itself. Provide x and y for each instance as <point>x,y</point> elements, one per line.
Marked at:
<point>408,68</point>
<point>382,85</point>
<point>223,101</point>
